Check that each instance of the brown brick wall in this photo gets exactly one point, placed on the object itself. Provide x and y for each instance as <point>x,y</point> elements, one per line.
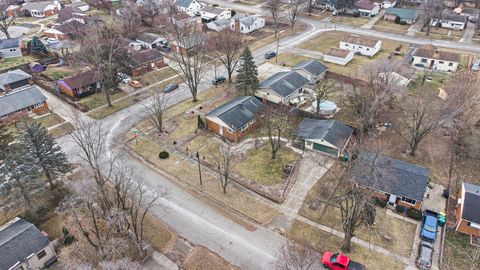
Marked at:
<point>417,206</point>
<point>40,109</point>
<point>66,90</point>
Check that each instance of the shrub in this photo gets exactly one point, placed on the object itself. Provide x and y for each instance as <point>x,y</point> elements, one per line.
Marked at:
<point>400,209</point>
<point>403,23</point>
<point>163,155</point>
<point>356,14</point>
<point>414,213</point>
<point>397,20</point>
<point>381,202</point>
<point>68,239</point>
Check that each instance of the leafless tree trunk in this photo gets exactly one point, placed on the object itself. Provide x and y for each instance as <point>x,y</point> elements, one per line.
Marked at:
<point>130,18</point>
<point>432,9</point>
<point>296,8</point>
<point>155,109</point>
<point>323,89</point>
<point>227,46</point>
<point>277,125</point>
<point>5,20</point>
<point>310,6</point>
<point>273,7</point>
<point>224,161</point>
<point>190,54</point>
<point>294,256</point>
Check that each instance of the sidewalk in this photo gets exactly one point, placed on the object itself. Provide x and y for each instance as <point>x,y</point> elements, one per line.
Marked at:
<point>374,20</point>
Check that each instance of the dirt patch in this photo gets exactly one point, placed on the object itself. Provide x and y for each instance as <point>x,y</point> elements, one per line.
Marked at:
<point>201,258</point>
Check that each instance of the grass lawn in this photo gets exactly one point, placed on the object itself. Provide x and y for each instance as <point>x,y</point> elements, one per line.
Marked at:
<point>432,86</point>
<point>323,241</point>
<point>106,111</point>
<point>156,76</point>
<point>350,20</point>
<point>288,59</point>
<point>390,27</point>
<point>98,99</point>
<point>259,167</point>
<point>46,121</point>
<point>62,130</point>
<point>458,253</point>
<point>186,128</point>
<point>13,62</point>
<point>58,73</point>
<point>156,233</point>
<point>186,171</point>
<point>203,258</point>
<point>441,34</point>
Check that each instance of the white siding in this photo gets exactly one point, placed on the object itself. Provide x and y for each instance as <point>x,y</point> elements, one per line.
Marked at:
<point>440,65</point>
<point>363,50</point>
<point>338,60</point>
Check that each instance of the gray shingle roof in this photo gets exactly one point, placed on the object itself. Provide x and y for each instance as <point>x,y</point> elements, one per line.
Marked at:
<point>248,21</point>
<point>313,67</point>
<point>390,175</point>
<point>148,37</point>
<point>9,43</point>
<point>39,6</point>
<point>13,76</point>
<point>18,240</point>
<point>331,131</point>
<point>403,13</point>
<point>237,112</point>
<point>284,83</point>
<point>471,203</point>
<point>184,3</point>
<point>20,99</point>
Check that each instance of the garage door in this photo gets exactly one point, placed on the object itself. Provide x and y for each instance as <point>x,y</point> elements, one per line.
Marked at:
<point>325,149</point>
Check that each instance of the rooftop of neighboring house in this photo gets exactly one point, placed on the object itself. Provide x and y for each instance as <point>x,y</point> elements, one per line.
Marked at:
<point>393,176</point>
<point>405,70</point>
<point>10,43</point>
<point>191,41</point>
<point>181,16</point>
<point>13,76</point>
<point>432,52</point>
<point>68,13</point>
<point>471,11</point>
<point>213,10</point>
<point>284,83</point>
<point>39,6</point>
<point>471,202</point>
<point>18,240</point>
<point>20,99</point>
<point>77,4</point>
<point>128,41</point>
<point>80,80</point>
<point>70,27</point>
<point>149,37</point>
<point>334,3</point>
<point>237,112</point>
<point>452,16</point>
<point>141,57</point>
<point>403,13</point>
<point>183,3</point>
<point>313,67</point>
<point>221,22</point>
<point>358,40</point>
<point>337,52</point>
<point>331,131</point>
<point>249,20</point>
<point>364,4</point>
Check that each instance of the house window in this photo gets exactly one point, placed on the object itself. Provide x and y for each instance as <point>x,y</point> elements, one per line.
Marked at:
<point>424,60</point>
<point>13,50</point>
<point>450,64</point>
<point>441,62</point>
<point>368,49</point>
<point>346,45</point>
<point>244,127</point>
<point>409,201</point>
<point>309,143</point>
<point>41,254</point>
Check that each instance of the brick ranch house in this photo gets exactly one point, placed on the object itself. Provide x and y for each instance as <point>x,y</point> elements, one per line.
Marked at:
<point>22,102</point>
<point>234,119</point>
<point>468,210</point>
<point>142,62</point>
<point>14,79</point>
<point>398,182</point>
<point>79,85</point>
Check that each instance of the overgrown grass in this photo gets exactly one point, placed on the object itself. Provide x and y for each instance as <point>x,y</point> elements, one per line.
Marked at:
<point>458,252</point>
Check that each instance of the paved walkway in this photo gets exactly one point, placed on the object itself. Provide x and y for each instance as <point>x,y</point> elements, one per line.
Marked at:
<point>61,108</point>
<point>158,261</point>
<point>468,33</point>
<point>373,20</point>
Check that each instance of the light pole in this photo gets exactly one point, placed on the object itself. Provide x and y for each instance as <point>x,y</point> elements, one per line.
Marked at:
<point>199,170</point>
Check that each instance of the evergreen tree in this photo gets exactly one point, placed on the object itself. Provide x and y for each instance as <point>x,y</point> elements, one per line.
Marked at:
<point>35,46</point>
<point>247,80</point>
<point>5,139</point>
<point>45,153</point>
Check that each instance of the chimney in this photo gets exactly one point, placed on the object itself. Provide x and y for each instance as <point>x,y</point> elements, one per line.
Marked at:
<point>237,25</point>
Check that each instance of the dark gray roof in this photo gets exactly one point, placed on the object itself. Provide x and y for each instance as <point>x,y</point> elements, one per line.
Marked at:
<point>9,43</point>
<point>13,76</point>
<point>389,175</point>
<point>331,131</point>
<point>403,13</point>
<point>18,240</point>
<point>184,3</point>
<point>284,83</point>
<point>311,66</point>
<point>38,6</point>
<point>237,112</point>
<point>148,37</point>
<point>77,4</point>
<point>20,99</point>
<point>471,203</point>
<point>452,16</point>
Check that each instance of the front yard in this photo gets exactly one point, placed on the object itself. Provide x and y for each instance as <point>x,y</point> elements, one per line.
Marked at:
<point>98,99</point>
<point>391,27</point>
<point>350,20</point>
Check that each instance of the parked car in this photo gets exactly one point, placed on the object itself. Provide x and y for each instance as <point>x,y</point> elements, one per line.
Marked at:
<point>170,87</point>
<point>135,84</point>
<point>429,226</point>
<point>337,261</point>
<point>270,55</point>
<point>218,80</point>
<point>52,40</point>
<point>425,255</point>
<point>123,77</point>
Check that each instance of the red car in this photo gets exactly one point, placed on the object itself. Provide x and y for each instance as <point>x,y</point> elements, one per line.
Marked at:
<point>337,261</point>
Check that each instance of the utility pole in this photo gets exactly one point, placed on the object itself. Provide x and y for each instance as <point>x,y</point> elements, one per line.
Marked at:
<point>199,169</point>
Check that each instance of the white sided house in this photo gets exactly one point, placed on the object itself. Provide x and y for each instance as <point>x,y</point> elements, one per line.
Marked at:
<point>361,45</point>
<point>42,9</point>
<point>282,87</point>
<point>245,23</point>
<point>218,25</point>
<point>450,20</point>
<point>191,7</point>
<point>313,70</point>
<point>338,56</point>
<point>431,58</point>
<point>209,14</point>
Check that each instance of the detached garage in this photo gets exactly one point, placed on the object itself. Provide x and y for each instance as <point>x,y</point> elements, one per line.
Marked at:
<point>326,136</point>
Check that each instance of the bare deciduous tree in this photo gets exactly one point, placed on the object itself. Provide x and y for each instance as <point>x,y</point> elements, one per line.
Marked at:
<point>155,109</point>
<point>431,9</point>
<point>277,125</point>
<point>323,90</point>
<point>130,18</point>
<point>273,7</point>
<point>190,54</point>
<point>5,20</point>
<point>227,46</point>
<point>294,256</point>
<point>224,160</point>
<point>296,8</point>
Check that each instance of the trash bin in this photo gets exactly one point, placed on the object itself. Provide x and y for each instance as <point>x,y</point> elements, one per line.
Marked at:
<point>441,219</point>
